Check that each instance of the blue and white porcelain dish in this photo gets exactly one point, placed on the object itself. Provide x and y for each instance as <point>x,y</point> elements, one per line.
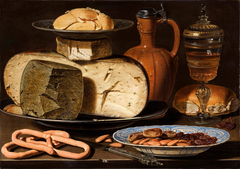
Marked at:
<point>173,151</point>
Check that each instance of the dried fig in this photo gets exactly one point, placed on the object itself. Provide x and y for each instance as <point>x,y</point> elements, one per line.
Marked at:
<point>153,132</point>
<point>135,136</point>
<point>169,134</point>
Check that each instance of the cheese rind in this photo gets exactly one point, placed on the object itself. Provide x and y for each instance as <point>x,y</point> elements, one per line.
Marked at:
<point>51,90</point>
<point>84,50</point>
<point>113,87</point>
<point>14,69</point>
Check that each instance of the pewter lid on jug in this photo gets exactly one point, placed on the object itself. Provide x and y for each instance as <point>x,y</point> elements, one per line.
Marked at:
<point>147,13</point>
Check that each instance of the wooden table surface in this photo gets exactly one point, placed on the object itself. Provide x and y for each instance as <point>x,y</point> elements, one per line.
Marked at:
<point>226,155</point>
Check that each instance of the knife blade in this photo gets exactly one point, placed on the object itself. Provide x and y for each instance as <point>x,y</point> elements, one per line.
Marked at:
<point>142,158</point>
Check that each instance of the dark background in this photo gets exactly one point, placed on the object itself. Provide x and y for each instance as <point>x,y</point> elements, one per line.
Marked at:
<point>17,34</point>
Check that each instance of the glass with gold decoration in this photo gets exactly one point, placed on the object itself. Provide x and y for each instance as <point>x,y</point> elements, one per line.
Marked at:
<point>203,44</point>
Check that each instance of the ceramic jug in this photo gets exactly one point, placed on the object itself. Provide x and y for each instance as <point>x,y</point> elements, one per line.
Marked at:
<point>159,63</point>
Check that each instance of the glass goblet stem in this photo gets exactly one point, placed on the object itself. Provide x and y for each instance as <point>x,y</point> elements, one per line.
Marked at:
<point>203,94</point>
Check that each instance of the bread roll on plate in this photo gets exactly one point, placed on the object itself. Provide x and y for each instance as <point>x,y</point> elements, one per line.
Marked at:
<point>222,100</point>
<point>83,19</point>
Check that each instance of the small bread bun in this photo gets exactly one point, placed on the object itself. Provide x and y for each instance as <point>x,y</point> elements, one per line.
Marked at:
<point>12,108</point>
<point>222,100</point>
<point>83,19</point>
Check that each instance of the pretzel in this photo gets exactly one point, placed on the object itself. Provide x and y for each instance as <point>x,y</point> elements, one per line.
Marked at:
<point>6,149</point>
<point>54,139</point>
<point>72,142</point>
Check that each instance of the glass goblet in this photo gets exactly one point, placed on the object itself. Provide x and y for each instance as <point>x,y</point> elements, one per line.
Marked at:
<point>203,66</point>
<point>203,43</point>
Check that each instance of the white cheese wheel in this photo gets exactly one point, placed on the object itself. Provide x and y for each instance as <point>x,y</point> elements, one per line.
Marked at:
<point>84,50</point>
<point>113,87</point>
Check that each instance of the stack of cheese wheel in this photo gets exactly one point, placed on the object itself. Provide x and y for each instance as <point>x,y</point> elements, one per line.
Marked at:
<point>84,19</point>
<point>49,85</point>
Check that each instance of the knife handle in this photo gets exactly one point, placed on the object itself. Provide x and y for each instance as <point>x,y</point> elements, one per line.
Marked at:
<point>144,159</point>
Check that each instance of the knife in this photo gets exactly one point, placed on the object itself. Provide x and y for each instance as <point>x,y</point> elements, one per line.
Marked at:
<point>142,158</point>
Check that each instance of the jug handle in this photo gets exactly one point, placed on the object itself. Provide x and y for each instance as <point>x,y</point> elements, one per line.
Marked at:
<point>176,31</point>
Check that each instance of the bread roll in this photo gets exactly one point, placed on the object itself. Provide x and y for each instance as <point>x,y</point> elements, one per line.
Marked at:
<point>13,108</point>
<point>83,19</point>
<point>222,100</point>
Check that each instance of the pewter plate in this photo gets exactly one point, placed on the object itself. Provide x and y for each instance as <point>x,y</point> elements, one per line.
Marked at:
<point>173,151</point>
<point>153,109</point>
<point>47,25</point>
